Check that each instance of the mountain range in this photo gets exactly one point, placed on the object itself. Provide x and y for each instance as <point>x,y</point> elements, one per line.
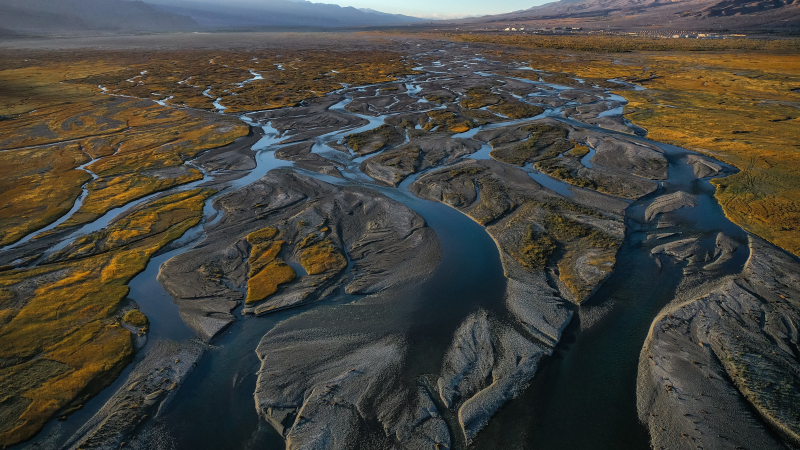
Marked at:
<point>278,13</point>
<point>58,16</point>
<point>776,15</point>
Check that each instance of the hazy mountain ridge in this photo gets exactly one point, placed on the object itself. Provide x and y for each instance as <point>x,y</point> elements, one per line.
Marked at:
<point>711,8</point>
<point>282,13</point>
<point>56,16</point>
<point>654,14</point>
<point>87,15</point>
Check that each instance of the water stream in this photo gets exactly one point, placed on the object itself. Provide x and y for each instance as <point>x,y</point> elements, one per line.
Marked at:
<point>75,207</point>
<point>584,395</point>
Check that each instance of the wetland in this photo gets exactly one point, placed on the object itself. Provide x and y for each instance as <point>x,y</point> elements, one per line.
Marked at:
<point>420,242</point>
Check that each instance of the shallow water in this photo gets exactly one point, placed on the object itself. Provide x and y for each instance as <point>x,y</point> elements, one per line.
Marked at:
<point>587,159</point>
<point>214,408</point>
<point>582,397</point>
<point>75,207</point>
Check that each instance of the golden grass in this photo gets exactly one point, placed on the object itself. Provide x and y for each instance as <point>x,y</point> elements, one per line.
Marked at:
<point>38,185</point>
<point>266,282</point>
<point>318,255</point>
<point>601,260</point>
<point>743,110</point>
<point>579,151</point>
<point>288,77</point>
<point>267,271</point>
<point>136,318</point>
<point>64,313</point>
<point>445,121</point>
<point>113,192</point>
<point>516,110</point>
<point>535,250</point>
<point>738,106</point>
<point>71,123</point>
<point>480,96</point>
<point>371,141</point>
<point>61,341</point>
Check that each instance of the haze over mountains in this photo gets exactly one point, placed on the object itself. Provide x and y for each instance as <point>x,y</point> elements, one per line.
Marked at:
<point>658,14</point>
<point>58,16</point>
<point>86,15</point>
<point>55,16</point>
<point>278,13</point>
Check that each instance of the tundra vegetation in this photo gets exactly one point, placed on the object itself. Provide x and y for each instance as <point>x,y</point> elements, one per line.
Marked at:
<point>135,148</point>
<point>88,121</point>
<point>136,318</point>
<point>447,121</point>
<point>371,141</point>
<point>267,271</point>
<point>733,99</point>
<point>61,332</point>
<point>198,79</point>
<point>539,231</point>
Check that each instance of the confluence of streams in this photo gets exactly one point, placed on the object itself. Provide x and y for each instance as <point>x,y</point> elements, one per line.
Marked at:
<point>565,406</point>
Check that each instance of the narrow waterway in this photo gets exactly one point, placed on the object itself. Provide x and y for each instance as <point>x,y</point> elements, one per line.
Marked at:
<point>214,408</point>
<point>583,397</point>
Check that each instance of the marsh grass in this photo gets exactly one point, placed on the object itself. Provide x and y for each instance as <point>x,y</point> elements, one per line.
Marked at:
<point>735,104</point>
<point>371,141</point>
<point>140,145</point>
<point>446,121</point>
<point>136,318</point>
<point>516,110</point>
<point>318,255</point>
<point>306,75</point>
<point>545,142</point>
<point>536,249</point>
<point>65,313</point>
<point>267,271</point>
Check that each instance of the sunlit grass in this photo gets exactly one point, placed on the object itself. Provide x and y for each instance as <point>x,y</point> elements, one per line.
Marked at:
<point>66,313</point>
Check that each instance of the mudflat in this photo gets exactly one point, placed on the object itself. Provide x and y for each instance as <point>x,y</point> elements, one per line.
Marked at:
<point>347,240</point>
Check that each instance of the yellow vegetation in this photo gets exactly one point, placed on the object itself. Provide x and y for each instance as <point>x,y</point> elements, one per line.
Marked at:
<point>579,151</point>
<point>741,109</point>
<point>479,96</point>
<point>737,106</point>
<point>601,262</point>
<point>288,77</point>
<point>136,318</point>
<point>38,185</point>
<point>371,141</point>
<point>318,255</point>
<point>516,110</point>
<point>266,282</point>
<point>445,121</point>
<point>55,127</point>
<point>267,271</point>
<point>62,344</point>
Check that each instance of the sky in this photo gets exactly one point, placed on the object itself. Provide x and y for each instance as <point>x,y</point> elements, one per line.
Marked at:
<point>443,9</point>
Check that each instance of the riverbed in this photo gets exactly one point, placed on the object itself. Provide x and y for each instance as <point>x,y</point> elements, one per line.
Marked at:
<point>583,396</point>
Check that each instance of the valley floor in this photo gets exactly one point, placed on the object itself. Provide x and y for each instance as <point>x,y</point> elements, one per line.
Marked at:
<point>338,240</point>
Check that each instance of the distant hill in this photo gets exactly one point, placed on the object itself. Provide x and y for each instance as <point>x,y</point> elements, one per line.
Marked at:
<point>779,15</point>
<point>278,13</point>
<point>55,16</point>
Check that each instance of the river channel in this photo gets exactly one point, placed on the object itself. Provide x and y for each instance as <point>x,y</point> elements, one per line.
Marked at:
<point>582,397</point>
